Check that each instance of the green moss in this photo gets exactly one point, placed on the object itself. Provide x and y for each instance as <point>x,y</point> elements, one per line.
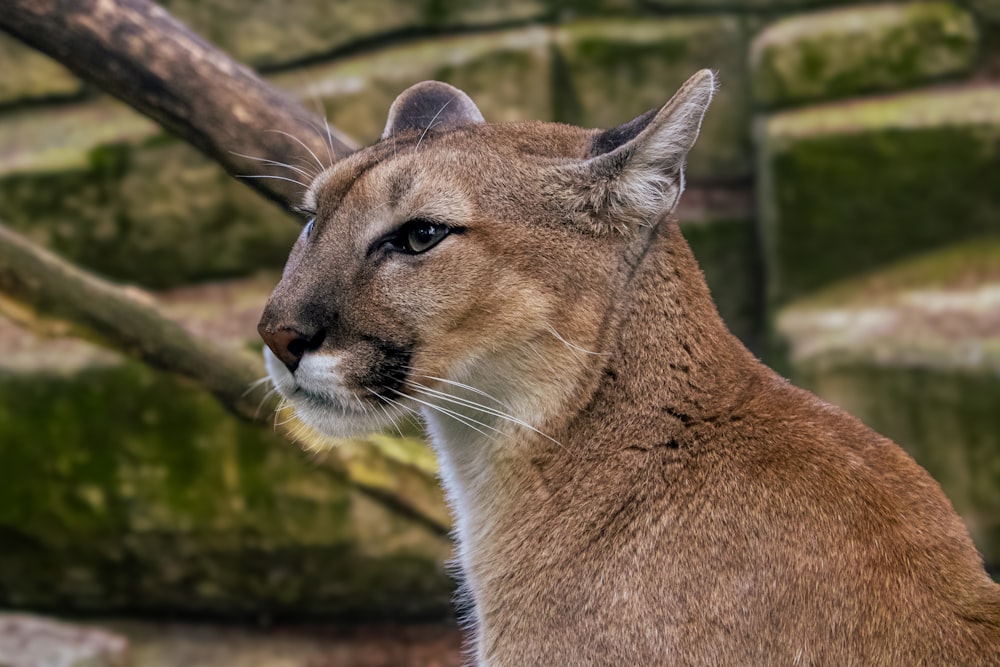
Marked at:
<point>861,190</point>
<point>728,255</point>
<point>616,69</point>
<point>968,106</point>
<point>133,491</point>
<point>848,51</point>
<point>270,32</point>
<point>955,267</point>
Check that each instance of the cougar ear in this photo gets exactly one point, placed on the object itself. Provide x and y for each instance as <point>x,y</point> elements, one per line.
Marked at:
<point>635,172</point>
<point>431,105</point>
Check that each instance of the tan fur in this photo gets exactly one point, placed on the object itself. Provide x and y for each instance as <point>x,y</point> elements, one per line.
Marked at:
<point>661,498</point>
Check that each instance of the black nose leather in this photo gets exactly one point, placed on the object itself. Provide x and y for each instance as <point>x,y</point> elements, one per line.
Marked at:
<point>290,344</point>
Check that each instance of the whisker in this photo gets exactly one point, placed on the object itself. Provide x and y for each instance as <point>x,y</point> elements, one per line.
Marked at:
<point>482,408</point>
<point>393,401</point>
<point>329,137</point>
<point>280,178</point>
<point>276,163</point>
<point>475,406</point>
<point>461,385</point>
<point>389,418</point>
<point>301,143</point>
<point>388,415</point>
<point>462,419</point>
<point>260,406</point>
<point>573,346</point>
<point>277,411</point>
<point>256,383</point>
<point>291,418</point>
<point>462,401</point>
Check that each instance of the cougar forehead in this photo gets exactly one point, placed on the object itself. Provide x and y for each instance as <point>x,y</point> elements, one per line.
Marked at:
<point>484,155</point>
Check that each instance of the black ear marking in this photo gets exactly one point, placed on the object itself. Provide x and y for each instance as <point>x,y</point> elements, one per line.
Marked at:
<point>609,140</point>
<point>431,105</point>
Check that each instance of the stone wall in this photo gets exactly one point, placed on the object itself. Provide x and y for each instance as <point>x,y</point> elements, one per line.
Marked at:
<point>850,144</point>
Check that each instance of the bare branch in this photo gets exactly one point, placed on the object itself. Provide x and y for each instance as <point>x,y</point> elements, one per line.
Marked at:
<point>50,295</point>
<point>139,53</point>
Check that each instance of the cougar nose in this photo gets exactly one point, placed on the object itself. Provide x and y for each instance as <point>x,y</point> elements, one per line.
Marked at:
<point>290,344</point>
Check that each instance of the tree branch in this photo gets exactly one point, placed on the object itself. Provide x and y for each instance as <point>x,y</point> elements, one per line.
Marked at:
<point>52,297</point>
<point>142,55</point>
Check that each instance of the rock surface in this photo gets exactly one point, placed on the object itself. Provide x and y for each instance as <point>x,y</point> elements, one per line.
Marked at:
<point>34,641</point>
<point>845,188</point>
<point>855,50</point>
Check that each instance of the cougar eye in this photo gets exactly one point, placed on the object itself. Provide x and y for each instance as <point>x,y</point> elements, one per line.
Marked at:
<point>418,236</point>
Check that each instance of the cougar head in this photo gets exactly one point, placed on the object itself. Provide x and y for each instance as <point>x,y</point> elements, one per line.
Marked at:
<point>457,256</point>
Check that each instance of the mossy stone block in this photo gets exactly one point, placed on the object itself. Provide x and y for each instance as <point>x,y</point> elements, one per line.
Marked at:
<point>507,73</point>
<point>610,71</point>
<point>26,74</point>
<point>269,33</point>
<point>853,50</point>
<point>914,352</point>
<point>104,188</point>
<point>847,187</point>
<point>123,489</point>
<point>34,641</point>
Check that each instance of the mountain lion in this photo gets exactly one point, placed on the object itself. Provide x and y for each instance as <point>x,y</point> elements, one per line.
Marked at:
<point>630,485</point>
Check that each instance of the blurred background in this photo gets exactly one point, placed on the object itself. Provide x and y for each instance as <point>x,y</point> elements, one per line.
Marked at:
<point>843,200</point>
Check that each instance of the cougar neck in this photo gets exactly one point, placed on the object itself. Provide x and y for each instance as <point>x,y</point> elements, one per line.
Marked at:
<point>666,363</point>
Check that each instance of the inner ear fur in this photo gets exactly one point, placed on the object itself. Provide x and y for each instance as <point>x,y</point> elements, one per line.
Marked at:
<point>635,172</point>
<point>431,105</point>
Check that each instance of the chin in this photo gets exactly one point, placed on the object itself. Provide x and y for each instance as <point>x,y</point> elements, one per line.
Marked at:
<point>319,405</point>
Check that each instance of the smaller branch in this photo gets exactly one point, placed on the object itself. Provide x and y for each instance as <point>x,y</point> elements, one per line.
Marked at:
<point>54,298</point>
<point>50,295</point>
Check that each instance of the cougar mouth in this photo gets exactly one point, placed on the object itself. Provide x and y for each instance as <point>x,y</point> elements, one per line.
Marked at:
<point>322,400</point>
